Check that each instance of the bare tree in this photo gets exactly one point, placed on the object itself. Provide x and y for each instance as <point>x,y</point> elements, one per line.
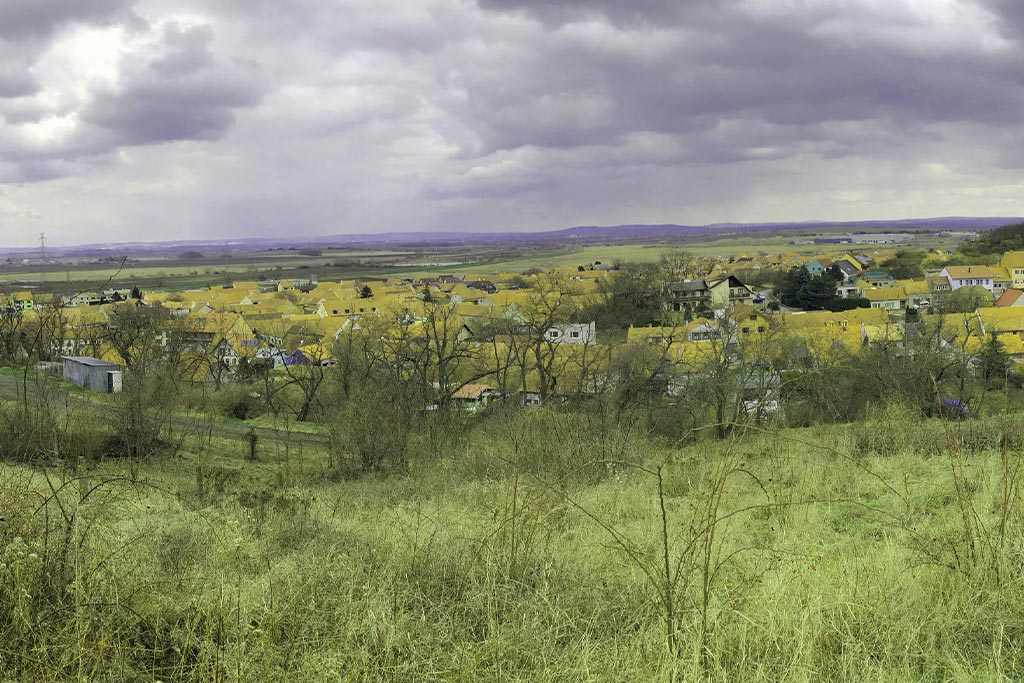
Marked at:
<point>304,371</point>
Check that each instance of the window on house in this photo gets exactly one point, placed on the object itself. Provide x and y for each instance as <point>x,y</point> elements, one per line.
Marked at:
<point>574,334</point>
<point>760,328</point>
<point>746,330</point>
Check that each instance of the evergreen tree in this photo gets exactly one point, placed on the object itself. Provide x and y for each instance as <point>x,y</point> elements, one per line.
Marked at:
<point>994,362</point>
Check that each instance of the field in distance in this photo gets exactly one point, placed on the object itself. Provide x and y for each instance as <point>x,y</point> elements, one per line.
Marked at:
<point>211,268</point>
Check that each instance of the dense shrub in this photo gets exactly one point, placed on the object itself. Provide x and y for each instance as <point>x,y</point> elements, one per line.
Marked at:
<point>34,434</point>
<point>898,430</point>
<point>239,401</point>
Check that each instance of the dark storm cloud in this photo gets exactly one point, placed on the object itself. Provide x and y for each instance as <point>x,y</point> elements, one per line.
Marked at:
<point>21,19</point>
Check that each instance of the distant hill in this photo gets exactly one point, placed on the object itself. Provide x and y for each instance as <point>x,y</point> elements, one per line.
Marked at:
<point>634,232</point>
<point>583,234</point>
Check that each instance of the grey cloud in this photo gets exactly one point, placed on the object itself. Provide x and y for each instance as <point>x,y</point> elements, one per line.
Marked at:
<point>38,18</point>
<point>155,111</point>
<point>181,94</point>
<point>30,171</point>
<point>618,11</point>
<point>188,50</point>
<point>1009,15</point>
<point>14,83</point>
<point>16,60</point>
<point>522,113</point>
<point>176,91</point>
<point>773,68</point>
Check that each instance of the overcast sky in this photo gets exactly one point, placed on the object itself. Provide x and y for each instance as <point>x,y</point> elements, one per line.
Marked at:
<point>169,119</point>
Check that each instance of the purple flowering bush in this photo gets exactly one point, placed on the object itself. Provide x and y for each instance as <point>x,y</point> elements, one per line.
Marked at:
<point>952,409</point>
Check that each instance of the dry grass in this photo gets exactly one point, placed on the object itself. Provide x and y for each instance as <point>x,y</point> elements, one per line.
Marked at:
<point>832,558</point>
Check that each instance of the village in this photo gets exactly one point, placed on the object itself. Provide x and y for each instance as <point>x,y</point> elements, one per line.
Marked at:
<point>532,336</point>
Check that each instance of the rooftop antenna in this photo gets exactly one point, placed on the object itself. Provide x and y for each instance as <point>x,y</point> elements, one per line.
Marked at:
<point>42,256</point>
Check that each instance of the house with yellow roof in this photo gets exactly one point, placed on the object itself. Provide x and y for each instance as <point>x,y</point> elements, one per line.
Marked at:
<point>939,287</point>
<point>998,320</point>
<point>826,333</point>
<point>917,291</point>
<point>84,331</point>
<point>1013,262</point>
<point>222,298</point>
<point>335,307</point>
<point>399,290</point>
<point>748,320</point>
<point>510,297</point>
<point>460,293</point>
<point>223,323</point>
<point>852,260</point>
<point>969,276</point>
<point>1001,281</point>
<point>655,335</point>
<point>246,286</point>
<point>831,320</point>
<point>882,333</point>
<point>890,298</point>
<point>950,325</point>
<point>477,312</point>
<point>267,306</point>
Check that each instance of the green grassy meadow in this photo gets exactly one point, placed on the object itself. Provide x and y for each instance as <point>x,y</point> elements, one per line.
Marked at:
<point>528,546</point>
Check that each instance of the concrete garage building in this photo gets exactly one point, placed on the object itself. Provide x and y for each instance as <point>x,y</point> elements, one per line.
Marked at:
<point>93,374</point>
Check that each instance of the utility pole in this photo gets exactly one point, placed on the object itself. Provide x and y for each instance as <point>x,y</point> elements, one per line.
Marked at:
<point>42,257</point>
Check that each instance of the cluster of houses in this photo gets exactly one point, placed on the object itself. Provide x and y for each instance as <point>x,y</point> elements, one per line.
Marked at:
<point>282,323</point>
<point>861,279</point>
<point>279,323</point>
